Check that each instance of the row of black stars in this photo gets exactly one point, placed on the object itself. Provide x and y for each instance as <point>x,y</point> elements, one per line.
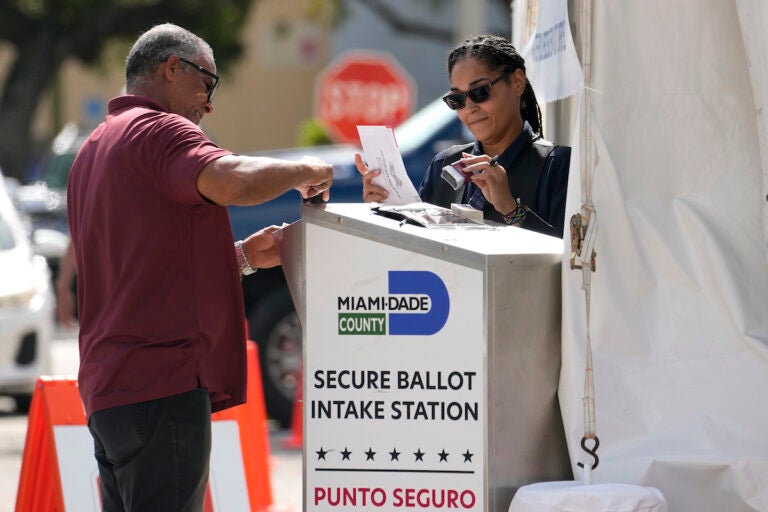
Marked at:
<point>394,455</point>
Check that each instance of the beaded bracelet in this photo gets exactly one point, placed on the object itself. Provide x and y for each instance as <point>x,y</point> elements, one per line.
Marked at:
<point>516,216</point>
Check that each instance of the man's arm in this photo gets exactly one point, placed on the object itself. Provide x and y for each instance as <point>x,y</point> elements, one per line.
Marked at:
<point>65,299</point>
<point>244,180</point>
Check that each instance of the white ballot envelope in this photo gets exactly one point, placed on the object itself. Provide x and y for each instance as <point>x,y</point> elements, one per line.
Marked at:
<point>381,153</point>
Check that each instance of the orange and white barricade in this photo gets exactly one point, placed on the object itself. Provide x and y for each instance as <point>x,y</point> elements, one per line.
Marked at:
<point>59,472</point>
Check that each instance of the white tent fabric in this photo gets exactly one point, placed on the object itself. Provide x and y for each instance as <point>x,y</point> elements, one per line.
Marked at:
<point>679,301</point>
<point>577,497</point>
<point>753,16</point>
<point>551,64</point>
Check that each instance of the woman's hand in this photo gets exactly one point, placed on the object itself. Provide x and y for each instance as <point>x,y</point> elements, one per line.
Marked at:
<point>492,180</point>
<point>372,193</point>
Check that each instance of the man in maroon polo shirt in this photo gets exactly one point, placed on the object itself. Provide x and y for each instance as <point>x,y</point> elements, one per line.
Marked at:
<point>162,331</point>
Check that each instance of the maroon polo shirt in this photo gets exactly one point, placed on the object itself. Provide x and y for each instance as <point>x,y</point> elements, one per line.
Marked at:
<point>159,296</point>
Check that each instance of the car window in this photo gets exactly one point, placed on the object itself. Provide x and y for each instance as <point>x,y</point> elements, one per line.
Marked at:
<point>7,240</point>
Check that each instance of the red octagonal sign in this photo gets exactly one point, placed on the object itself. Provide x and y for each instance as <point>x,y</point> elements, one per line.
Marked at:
<point>362,88</point>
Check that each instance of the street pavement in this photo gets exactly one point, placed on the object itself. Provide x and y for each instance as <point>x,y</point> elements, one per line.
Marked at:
<point>285,463</point>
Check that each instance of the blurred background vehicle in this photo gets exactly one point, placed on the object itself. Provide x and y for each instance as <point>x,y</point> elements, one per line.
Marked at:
<point>26,307</point>
<point>43,202</point>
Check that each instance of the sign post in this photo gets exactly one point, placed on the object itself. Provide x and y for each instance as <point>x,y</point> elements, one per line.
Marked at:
<point>363,88</point>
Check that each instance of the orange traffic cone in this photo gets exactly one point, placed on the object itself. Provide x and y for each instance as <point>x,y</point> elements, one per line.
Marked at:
<point>296,438</point>
<point>251,418</point>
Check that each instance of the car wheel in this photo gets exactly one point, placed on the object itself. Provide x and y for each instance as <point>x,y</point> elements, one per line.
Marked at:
<point>275,328</point>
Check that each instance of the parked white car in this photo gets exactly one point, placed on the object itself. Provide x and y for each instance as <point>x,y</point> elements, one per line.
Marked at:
<point>26,307</point>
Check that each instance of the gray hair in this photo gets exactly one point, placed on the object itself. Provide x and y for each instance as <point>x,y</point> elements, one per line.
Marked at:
<point>156,45</point>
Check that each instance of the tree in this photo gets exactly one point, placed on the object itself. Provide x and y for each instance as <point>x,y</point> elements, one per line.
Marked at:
<point>45,33</point>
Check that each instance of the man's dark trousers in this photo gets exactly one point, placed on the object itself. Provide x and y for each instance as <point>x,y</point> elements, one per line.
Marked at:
<point>154,455</point>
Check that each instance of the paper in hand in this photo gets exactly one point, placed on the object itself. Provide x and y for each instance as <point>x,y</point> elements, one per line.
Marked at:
<point>381,154</point>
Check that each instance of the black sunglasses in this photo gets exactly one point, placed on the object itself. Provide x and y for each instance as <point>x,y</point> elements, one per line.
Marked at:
<point>210,88</point>
<point>457,100</point>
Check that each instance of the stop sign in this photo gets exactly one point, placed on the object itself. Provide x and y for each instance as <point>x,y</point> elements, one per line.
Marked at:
<point>362,88</point>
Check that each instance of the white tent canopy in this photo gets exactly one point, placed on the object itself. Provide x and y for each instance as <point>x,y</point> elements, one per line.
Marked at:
<point>675,146</point>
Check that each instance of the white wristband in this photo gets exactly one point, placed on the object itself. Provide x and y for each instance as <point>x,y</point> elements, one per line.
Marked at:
<point>245,268</point>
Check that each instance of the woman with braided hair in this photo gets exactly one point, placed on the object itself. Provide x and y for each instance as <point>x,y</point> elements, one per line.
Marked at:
<point>513,174</point>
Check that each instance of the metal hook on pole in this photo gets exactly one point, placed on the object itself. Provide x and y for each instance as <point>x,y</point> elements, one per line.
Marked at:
<point>591,451</point>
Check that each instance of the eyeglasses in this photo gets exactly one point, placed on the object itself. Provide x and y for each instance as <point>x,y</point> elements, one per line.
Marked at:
<point>210,88</point>
<point>457,100</point>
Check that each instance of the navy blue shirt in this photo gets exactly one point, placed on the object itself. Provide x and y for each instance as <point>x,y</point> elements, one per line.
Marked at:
<point>548,203</point>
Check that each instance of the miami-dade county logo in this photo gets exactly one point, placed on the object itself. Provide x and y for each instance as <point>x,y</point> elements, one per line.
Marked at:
<point>417,304</point>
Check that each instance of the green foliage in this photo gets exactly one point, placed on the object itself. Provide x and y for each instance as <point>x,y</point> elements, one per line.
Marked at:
<point>83,27</point>
<point>312,133</point>
<point>45,33</point>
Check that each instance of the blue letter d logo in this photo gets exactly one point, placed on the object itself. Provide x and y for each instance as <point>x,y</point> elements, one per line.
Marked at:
<point>419,282</point>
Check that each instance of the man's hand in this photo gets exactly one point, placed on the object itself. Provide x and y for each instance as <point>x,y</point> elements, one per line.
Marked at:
<point>319,182</point>
<point>372,193</point>
<point>260,249</point>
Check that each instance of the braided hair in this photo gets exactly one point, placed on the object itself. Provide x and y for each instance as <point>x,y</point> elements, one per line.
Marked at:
<point>498,53</point>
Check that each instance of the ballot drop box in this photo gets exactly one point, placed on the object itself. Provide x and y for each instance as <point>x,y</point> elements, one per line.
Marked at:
<point>431,360</point>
